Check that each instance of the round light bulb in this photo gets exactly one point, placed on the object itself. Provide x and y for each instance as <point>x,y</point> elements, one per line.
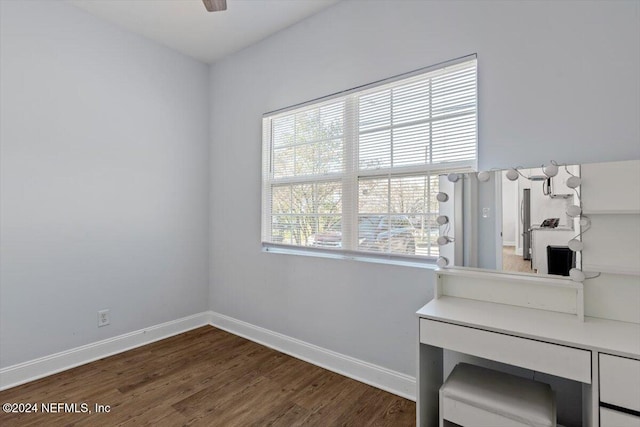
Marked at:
<point>442,197</point>
<point>574,182</point>
<point>575,245</point>
<point>442,220</point>
<point>550,170</point>
<point>443,240</point>
<point>577,275</point>
<point>484,176</point>
<point>442,262</point>
<point>453,177</point>
<point>574,210</point>
<point>512,174</point>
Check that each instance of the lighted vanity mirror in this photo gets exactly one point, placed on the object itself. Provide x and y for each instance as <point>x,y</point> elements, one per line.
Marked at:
<point>592,208</point>
<point>581,217</point>
<point>514,220</point>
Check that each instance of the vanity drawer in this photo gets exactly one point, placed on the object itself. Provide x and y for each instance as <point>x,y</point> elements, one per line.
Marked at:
<point>620,381</point>
<point>611,418</point>
<point>566,362</point>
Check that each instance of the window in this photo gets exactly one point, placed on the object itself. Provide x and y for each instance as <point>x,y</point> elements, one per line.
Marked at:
<point>360,171</point>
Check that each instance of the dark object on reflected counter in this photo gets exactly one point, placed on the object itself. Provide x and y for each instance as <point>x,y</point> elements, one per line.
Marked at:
<point>560,260</point>
<point>550,223</point>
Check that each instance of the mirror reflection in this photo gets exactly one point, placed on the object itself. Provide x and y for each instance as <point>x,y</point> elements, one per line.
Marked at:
<point>535,226</point>
<point>518,220</point>
<point>544,221</point>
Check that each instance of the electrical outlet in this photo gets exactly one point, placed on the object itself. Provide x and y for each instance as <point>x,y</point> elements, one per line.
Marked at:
<point>103,318</point>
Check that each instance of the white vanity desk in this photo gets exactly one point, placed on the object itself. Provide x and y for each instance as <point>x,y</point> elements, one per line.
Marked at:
<point>603,355</point>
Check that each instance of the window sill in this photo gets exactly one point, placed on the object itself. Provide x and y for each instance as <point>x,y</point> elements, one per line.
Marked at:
<point>398,260</point>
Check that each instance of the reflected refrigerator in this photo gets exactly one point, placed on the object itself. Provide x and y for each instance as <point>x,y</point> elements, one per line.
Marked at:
<point>525,221</point>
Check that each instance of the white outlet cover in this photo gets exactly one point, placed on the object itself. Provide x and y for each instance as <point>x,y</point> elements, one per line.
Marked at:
<point>103,318</point>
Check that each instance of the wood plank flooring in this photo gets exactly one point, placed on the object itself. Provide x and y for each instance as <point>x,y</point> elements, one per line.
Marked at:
<point>206,377</point>
<point>513,262</point>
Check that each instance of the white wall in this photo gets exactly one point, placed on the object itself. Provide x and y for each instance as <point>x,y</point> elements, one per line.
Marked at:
<point>556,80</point>
<point>104,181</point>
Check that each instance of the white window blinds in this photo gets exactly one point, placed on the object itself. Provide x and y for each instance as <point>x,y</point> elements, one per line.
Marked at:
<point>359,171</point>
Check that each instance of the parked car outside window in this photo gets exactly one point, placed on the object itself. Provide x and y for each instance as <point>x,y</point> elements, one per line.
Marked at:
<point>376,233</point>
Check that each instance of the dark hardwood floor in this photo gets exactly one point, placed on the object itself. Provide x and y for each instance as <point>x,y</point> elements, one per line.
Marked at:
<point>206,377</point>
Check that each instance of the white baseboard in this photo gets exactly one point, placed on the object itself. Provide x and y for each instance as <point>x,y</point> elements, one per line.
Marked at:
<point>505,243</point>
<point>368,373</point>
<point>44,366</point>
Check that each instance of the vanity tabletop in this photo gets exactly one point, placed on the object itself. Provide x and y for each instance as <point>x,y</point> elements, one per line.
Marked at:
<point>607,336</point>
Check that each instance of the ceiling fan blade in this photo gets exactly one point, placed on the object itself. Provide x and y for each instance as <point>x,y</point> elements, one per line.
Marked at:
<point>215,5</point>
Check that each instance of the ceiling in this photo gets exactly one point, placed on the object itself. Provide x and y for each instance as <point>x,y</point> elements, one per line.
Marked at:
<point>186,26</point>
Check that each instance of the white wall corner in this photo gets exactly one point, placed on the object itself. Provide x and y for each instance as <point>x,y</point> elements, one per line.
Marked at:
<point>386,379</point>
<point>21,373</point>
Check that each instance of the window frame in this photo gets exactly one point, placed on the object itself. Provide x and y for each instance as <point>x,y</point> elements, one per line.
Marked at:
<point>351,174</point>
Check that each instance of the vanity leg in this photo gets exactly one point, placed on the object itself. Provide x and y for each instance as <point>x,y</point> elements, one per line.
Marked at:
<point>430,371</point>
<point>590,397</point>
